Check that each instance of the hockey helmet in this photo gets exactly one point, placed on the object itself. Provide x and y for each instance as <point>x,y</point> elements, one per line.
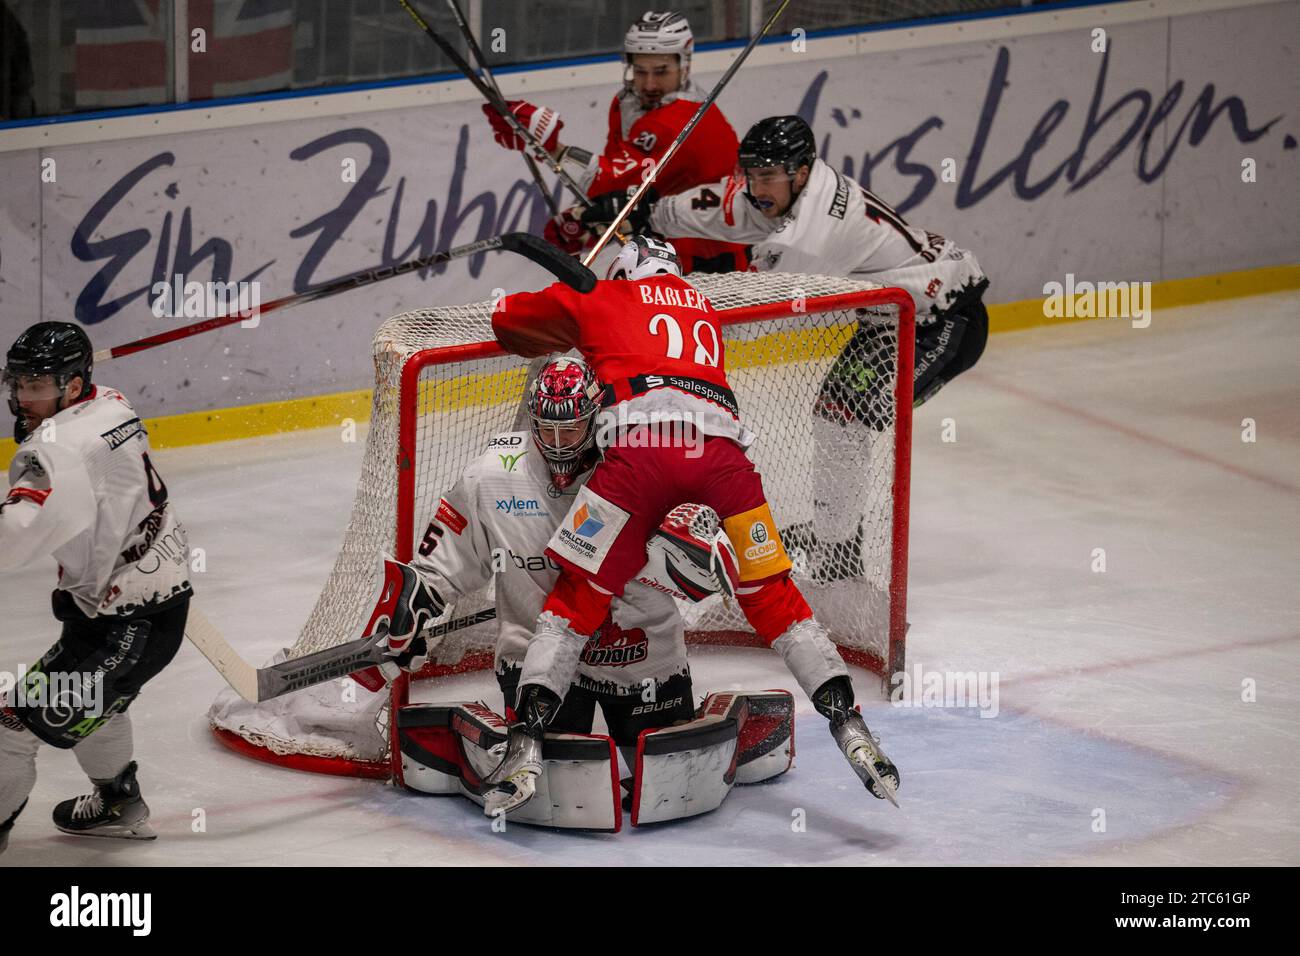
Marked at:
<point>667,32</point>
<point>785,141</point>
<point>60,350</point>
<point>642,257</point>
<point>562,399</point>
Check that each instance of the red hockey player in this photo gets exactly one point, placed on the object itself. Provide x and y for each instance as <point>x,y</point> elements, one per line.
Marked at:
<point>671,433</point>
<point>658,99</point>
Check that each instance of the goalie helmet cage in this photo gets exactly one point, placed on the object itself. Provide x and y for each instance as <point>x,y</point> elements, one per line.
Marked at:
<point>444,388</point>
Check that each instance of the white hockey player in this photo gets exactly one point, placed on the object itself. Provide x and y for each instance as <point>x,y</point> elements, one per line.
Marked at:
<point>82,488</point>
<point>801,216</point>
<point>497,520</point>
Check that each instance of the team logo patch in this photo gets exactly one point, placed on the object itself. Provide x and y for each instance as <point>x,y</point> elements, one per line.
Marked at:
<point>612,646</point>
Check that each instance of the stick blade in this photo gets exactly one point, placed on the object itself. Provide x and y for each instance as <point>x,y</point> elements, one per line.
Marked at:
<point>564,267</point>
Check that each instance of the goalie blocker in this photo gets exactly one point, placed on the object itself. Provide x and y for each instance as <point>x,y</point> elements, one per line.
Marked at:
<point>681,771</point>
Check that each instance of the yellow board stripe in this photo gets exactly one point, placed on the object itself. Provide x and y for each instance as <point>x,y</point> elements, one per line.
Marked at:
<point>1170,294</point>
<point>322,411</point>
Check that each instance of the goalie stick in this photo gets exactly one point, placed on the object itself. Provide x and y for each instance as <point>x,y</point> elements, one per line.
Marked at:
<point>567,269</point>
<point>648,181</point>
<point>259,684</point>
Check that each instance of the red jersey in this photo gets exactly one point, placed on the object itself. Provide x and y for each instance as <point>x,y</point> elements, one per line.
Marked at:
<point>660,327</point>
<point>706,156</point>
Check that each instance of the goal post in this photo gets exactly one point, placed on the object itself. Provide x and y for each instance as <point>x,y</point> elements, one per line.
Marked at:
<point>444,388</point>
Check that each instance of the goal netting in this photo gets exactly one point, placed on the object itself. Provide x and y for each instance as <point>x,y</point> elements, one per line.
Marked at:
<point>443,388</point>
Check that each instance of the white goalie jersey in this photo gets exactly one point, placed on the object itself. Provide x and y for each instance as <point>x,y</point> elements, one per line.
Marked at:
<point>83,489</point>
<point>496,522</point>
<point>835,227</point>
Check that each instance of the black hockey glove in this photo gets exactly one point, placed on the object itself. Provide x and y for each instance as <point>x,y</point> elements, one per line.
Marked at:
<point>606,207</point>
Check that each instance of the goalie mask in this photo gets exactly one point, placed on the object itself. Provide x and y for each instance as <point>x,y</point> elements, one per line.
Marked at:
<point>642,257</point>
<point>691,556</point>
<point>562,405</point>
<point>662,33</point>
<point>41,363</point>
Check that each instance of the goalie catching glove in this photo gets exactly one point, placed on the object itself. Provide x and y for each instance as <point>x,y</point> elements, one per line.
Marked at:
<point>691,554</point>
<point>404,606</point>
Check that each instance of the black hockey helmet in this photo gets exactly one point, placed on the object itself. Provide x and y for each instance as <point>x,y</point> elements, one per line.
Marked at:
<point>785,141</point>
<point>60,349</point>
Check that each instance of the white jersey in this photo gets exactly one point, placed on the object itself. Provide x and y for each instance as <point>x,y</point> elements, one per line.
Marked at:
<point>497,519</point>
<point>835,227</point>
<point>83,489</point>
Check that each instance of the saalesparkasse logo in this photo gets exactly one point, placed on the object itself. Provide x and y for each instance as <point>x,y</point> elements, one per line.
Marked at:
<point>586,523</point>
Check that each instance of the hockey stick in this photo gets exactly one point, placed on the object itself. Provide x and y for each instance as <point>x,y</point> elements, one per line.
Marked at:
<point>567,269</point>
<point>259,684</point>
<point>499,105</point>
<point>681,137</point>
<point>474,49</point>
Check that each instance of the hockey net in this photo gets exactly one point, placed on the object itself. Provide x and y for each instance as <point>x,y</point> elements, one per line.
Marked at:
<point>443,388</point>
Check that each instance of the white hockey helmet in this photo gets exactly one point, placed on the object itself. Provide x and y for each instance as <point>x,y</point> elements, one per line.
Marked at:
<point>666,32</point>
<point>642,257</point>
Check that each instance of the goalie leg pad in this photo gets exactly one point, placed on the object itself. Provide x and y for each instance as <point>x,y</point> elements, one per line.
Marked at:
<point>452,748</point>
<point>689,769</point>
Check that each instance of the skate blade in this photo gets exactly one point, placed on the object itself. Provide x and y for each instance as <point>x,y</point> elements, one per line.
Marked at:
<point>879,781</point>
<point>140,832</point>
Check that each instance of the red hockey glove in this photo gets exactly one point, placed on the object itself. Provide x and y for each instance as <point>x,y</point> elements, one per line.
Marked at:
<point>543,122</point>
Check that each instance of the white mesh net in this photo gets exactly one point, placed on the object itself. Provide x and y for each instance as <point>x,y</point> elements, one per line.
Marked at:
<point>778,366</point>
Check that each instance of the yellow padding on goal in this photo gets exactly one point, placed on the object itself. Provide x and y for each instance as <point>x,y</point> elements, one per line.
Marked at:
<point>795,345</point>
<point>471,391</point>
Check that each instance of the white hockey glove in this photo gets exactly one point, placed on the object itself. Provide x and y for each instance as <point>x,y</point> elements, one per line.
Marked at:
<point>690,555</point>
<point>403,606</point>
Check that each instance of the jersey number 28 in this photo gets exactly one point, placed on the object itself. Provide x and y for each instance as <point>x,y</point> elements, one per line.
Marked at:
<point>705,353</point>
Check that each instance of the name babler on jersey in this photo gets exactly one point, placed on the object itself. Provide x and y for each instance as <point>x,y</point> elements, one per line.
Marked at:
<point>669,295</point>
